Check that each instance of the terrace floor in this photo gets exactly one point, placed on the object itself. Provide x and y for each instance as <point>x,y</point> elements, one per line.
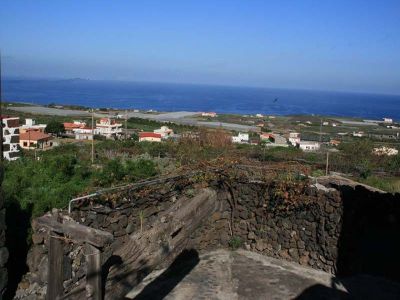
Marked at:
<point>224,274</point>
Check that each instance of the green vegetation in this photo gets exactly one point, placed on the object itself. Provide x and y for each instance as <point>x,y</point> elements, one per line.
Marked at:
<point>389,184</point>
<point>235,242</point>
<point>55,127</point>
<point>65,172</point>
<point>150,125</point>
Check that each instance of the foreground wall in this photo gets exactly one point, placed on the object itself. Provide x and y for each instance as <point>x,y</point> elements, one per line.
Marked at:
<point>341,229</point>
<point>3,249</point>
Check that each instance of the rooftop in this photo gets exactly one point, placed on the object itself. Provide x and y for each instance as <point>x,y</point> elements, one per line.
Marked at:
<point>34,136</point>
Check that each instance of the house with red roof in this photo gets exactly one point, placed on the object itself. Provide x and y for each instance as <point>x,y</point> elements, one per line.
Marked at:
<point>35,140</point>
<point>149,137</point>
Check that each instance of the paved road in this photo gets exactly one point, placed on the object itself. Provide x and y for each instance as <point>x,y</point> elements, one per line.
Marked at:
<point>179,117</point>
<point>228,275</point>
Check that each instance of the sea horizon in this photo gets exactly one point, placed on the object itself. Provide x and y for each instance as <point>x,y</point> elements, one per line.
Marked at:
<point>168,96</point>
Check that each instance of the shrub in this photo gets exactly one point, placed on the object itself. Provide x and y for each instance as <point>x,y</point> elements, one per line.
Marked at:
<point>235,242</point>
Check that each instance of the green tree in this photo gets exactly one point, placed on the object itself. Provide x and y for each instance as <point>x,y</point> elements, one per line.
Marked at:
<point>55,127</point>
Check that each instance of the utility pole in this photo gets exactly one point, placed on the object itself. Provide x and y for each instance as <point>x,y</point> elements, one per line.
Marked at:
<point>327,163</point>
<point>320,132</point>
<point>126,124</point>
<point>92,136</point>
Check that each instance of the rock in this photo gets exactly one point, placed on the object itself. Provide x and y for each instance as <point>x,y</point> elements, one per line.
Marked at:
<point>251,235</point>
<point>328,208</point>
<point>301,244</point>
<point>304,260</point>
<point>123,221</point>
<point>226,215</point>
<point>215,216</point>
<point>130,228</point>
<point>243,214</point>
<point>120,233</point>
<point>294,253</point>
<point>37,238</point>
<point>260,245</point>
<point>43,269</point>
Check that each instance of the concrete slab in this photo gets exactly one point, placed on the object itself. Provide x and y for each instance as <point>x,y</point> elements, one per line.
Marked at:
<point>224,275</point>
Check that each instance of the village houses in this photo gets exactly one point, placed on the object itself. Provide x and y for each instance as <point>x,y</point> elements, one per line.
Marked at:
<point>35,140</point>
<point>109,128</point>
<point>30,125</point>
<point>241,138</point>
<point>149,137</point>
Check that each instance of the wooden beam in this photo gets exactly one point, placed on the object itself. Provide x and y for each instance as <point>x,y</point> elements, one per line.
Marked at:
<point>93,273</point>
<point>160,243</point>
<point>55,288</point>
<point>76,232</point>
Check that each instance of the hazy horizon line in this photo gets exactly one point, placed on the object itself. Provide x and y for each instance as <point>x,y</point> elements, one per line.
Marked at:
<point>24,77</point>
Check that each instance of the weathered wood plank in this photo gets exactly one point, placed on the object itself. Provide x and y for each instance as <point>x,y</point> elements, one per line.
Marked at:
<point>93,273</point>
<point>76,232</point>
<point>55,288</point>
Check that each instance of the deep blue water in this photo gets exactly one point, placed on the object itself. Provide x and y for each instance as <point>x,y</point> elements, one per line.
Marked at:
<point>222,99</point>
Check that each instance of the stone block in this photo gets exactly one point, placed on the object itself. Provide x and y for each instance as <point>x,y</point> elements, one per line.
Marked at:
<point>251,235</point>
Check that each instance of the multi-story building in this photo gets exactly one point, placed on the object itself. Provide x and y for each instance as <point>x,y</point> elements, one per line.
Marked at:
<point>10,137</point>
<point>30,125</point>
<point>109,128</point>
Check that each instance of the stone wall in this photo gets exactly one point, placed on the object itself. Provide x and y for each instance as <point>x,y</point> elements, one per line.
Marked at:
<point>340,229</point>
<point>10,129</point>
<point>307,234</point>
<point>344,228</point>
<point>3,249</point>
<point>120,213</point>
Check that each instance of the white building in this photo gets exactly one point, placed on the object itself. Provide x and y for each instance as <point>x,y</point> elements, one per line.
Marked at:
<point>209,114</point>
<point>358,134</point>
<point>241,138</point>
<point>31,126</point>
<point>85,133</point>
<point>164,131</point>
<point>309,145</point>
<point>387,120</point>
<point>259,115</point>
<point>294,138</point>
<point>10,137</point>
<point>109,128</point>
<point>149,137</point>
<point>385,151</point>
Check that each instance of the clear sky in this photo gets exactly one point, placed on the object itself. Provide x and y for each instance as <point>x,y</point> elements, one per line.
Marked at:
<point>350,45</point>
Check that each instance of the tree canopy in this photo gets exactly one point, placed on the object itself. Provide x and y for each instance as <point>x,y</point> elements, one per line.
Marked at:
<point>55,127</point>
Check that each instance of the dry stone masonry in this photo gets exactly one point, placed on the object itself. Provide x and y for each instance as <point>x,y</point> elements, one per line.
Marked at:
<point>10,138</point>
<point>335,227</point>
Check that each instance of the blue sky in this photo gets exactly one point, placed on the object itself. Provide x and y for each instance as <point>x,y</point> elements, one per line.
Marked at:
<point>345,45</point>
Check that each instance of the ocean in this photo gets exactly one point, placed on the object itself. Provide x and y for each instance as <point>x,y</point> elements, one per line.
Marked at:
<point>188,97</point>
